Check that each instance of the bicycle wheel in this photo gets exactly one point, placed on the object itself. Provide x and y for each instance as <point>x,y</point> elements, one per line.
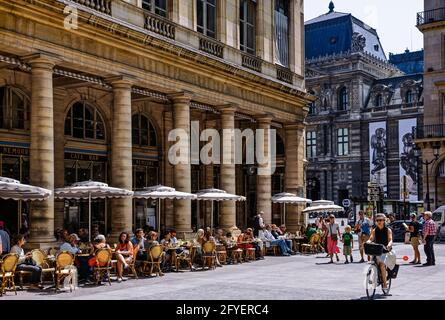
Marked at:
<point>371,281</point>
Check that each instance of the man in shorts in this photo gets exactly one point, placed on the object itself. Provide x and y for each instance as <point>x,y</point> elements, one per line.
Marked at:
<point>363,229</point>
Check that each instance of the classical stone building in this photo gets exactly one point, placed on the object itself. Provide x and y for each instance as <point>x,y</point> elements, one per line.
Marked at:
<point>431,135</point>
<point>366,107</point>
<point>91,90</point>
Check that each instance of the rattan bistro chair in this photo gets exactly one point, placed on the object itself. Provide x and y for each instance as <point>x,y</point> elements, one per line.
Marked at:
<point>154,258</point>
<point>7,272</point>
<point>209,255</point>
<point>39,258</point>
<point>103,265</point>
<point>132,265</point>
<point>64,263</point>
<point>221,252</point>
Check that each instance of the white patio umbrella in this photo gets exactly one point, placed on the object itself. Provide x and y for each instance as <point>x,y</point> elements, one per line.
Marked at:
<point>13,189</point>
<point>323,206</point>
<point>288,198</point>
<point>160,192</point>
<point>91,190</point>
<point>217,195</point>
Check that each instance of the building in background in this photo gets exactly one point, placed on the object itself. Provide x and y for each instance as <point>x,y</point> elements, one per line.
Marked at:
<point>430,136</point>
<point>360,127</point>
<point>96,99</point>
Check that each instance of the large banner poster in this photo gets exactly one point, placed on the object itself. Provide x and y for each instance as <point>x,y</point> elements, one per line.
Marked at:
<point>378,154</point>
<point>408,161</point>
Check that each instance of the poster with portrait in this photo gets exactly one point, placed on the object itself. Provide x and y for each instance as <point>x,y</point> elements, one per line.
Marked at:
<point>378,154</point>
<point>408,161</point>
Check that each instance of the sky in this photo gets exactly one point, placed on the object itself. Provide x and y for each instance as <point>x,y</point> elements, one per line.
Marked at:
<point>394,20</point>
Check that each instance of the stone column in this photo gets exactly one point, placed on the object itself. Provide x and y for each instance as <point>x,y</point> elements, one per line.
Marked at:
<point>264,182</point>
<point>227,217</point>
<point>59,153</point>
<point>294,172</point>
<point>42,148</point>
<point>182,170</point>
<point>121,155</point>
<point>167,213</point>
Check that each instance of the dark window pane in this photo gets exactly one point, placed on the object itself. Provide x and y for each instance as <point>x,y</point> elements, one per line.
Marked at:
<point>161,7</point>
<point>146,4</point>
<point>11,167</point>
<point>135,129</point>
<point>144,131</point>
<point>211,20</point>
<point>200,15</point>
<point>18,111</point>
<point>2,105</point>
<point>70,172</point>
<point>153,142</point>
<point>89,123</point>
<point>25,170</point>
<point>99,171</point>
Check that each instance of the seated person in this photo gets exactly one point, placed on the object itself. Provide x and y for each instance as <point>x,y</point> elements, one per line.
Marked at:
<point>277,235</point>
<point>269,238</point>
<point>25,263</point>
<point>152,240</point>
<point>310,231</point>
<point>124,254</point>
<point>71,244</point>
<point>139,240</point>
<point>247,236</point>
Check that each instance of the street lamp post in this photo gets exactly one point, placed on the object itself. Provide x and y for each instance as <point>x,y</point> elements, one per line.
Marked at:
<point>426,163</point>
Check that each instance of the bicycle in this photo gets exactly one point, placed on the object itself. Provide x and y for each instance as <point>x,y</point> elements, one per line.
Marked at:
<point>374,275</point>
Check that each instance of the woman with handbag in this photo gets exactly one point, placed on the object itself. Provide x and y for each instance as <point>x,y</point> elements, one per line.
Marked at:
<point>25,263</point>
<point>333,237</point>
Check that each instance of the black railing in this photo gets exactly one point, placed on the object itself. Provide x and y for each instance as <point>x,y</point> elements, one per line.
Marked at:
<point>430,16</point>
<point>429,131</point>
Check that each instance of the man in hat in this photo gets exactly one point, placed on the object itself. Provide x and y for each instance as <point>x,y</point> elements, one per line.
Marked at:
<point>5,241</point>
<point>71,244</point>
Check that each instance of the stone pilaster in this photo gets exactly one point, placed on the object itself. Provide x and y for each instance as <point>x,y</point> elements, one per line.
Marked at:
<point>182,170</point>
<point>121,155</point>
<point>227,217</point>
<point>42,148</point>
<point>264,181</point>
<point>294,172</point>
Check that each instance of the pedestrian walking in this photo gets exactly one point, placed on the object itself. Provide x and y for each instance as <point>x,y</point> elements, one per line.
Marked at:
<point>348,244</point>
<point>428,233</point>
<point>363,229</point>
<point>333,237</point>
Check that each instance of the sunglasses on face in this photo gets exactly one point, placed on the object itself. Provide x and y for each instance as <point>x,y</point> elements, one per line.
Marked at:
<point>380,220</point>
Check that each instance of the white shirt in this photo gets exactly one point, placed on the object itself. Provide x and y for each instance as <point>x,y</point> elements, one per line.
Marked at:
<point>267,235</point>
<point>334,228</point>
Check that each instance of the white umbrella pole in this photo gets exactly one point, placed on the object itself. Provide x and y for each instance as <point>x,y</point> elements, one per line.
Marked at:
<point>284,214</point>
<point>89,215</point>
<point>159,216</point>
<point>211,215</point>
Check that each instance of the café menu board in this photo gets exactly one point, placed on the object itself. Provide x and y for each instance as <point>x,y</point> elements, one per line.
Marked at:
<point>85,157</point>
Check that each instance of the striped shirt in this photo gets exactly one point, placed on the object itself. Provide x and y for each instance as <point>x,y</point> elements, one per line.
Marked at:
<point>429,228</point>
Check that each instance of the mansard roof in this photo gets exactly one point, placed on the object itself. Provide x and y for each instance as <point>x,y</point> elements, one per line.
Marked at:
<point>337,32</point>
<point>409,62</point>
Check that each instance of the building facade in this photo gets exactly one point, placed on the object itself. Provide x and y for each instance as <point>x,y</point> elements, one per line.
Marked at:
<point>90,90</point>
<point>430,137</point>
<point>364,113</point>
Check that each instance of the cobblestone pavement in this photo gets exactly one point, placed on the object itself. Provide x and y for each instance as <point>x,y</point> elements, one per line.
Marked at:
<point>296,277</point>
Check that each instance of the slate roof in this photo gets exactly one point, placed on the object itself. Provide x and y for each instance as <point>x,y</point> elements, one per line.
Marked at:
<point>331,33</point>
<point>408,62</point>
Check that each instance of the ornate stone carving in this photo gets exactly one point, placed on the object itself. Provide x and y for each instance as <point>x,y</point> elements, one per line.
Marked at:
<point>358,42</point>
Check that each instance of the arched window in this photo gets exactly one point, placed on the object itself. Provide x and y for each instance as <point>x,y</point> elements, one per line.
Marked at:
<point>378,100</point>
<point>14,108</point>
<point>84,121</point>
<point>143,132</point>
<point>343,99</point>
<point>410,96</point>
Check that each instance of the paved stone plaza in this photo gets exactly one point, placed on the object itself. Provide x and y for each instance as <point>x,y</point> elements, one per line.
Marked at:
<point>296,277</point>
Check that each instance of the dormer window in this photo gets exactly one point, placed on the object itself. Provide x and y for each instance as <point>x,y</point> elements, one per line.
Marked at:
<point>378,102</point>
<point>410,96</point>
<point>376,47</point>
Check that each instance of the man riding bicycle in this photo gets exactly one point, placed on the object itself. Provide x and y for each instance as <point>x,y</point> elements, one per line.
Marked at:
<point>381,234</point>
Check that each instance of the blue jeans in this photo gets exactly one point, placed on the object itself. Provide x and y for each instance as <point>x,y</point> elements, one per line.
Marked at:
<point>289,244</point>
<point>282,244</point>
